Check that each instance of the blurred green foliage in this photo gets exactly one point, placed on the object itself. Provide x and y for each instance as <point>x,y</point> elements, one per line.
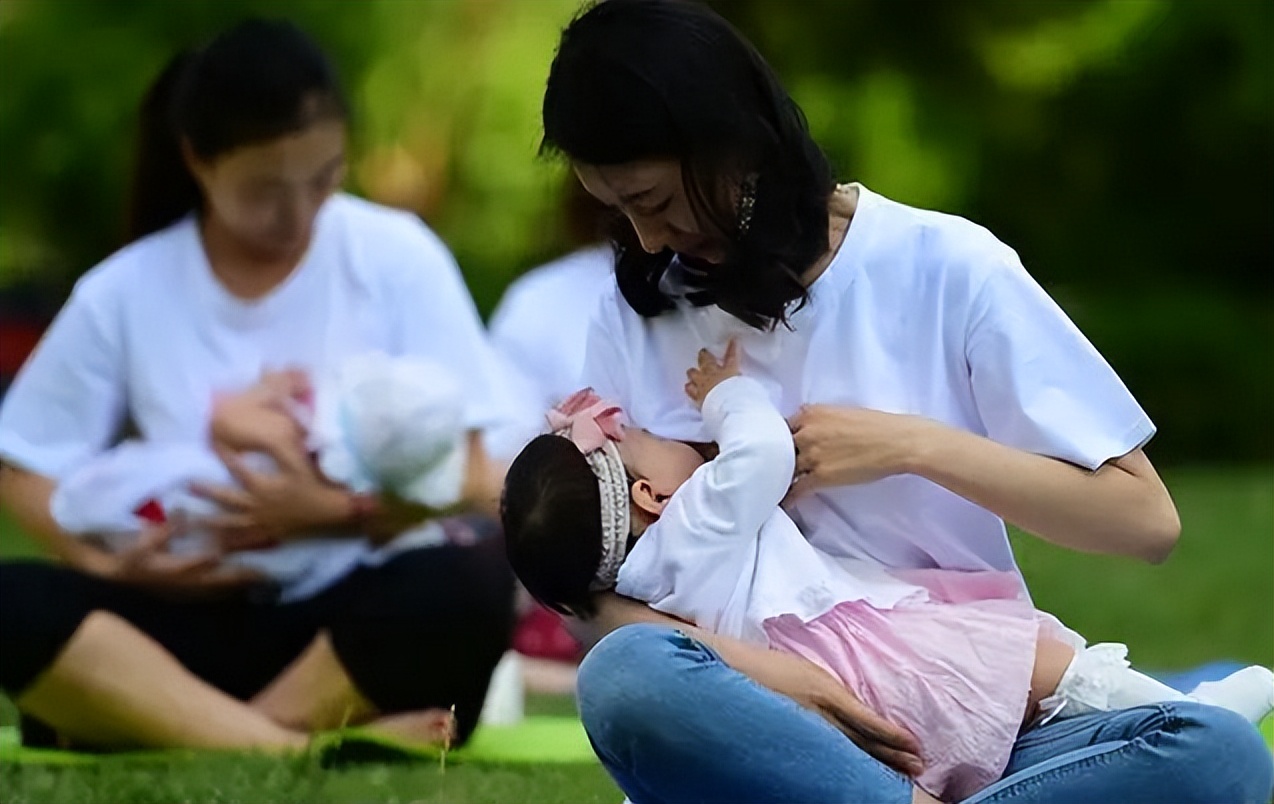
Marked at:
<point>1125,148</point>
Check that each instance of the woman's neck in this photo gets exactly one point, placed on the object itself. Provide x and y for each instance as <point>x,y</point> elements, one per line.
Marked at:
<point>841,207</point>
<point>243,272</point>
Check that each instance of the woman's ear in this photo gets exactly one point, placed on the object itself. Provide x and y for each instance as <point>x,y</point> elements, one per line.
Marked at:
<point>647,499</point>
<point>198,168</point>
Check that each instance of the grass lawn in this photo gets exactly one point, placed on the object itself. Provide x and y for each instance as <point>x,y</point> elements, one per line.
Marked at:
<point>1214,599</point>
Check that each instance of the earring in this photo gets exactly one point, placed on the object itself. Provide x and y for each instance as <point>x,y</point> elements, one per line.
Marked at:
<point>747,201</point>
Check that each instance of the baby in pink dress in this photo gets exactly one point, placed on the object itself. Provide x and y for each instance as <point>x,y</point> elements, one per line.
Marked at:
<point>960,659</point>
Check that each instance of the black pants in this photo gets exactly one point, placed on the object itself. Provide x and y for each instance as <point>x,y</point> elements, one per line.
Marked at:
<point>423,630</point>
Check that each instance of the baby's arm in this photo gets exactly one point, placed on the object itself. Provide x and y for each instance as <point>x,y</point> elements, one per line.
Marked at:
<point>260,419</point>
<point>753,470</point>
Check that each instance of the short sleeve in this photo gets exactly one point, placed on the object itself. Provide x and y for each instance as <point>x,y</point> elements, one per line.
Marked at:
<point>436,318</point>
<point>1038,383</point>
<point>67,402</point>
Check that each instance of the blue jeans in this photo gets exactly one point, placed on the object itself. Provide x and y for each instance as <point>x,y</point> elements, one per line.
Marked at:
<point>671,722</point>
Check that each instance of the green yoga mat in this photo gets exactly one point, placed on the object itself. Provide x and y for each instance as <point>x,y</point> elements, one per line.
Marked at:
<point>538,739</point>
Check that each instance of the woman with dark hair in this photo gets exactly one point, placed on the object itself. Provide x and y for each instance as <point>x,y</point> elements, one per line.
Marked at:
<point>245,259</point>
<point>934,391</point>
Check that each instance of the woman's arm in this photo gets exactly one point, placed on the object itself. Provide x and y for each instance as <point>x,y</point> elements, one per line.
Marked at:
<point>1122,508</point>
<point>25,495</point>
<point>484,479</point>
<point>296,500</point>
<point>802,681</point>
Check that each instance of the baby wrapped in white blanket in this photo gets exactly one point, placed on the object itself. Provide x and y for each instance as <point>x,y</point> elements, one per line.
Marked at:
<point>378,425</point>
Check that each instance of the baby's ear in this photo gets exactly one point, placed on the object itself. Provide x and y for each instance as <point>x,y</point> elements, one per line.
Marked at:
<point>647,499</point>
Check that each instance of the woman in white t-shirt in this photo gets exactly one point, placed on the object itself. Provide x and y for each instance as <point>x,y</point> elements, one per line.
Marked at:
<point>934,391</point>
<point>245,259</point>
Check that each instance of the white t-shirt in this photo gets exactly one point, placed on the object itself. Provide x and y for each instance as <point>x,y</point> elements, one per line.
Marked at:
<point>723,555</point>
<point>540,327</point>
<point>150,334</point>
<point>920,313</point>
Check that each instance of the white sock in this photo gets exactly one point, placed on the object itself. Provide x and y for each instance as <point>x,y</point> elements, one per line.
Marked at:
<point>1099,679</point>
<point>1131,688</point>
<point>1249,691</point>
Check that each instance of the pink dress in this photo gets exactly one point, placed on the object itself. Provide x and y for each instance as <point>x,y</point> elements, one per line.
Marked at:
<point>946,654</point>
<point>954,670</point>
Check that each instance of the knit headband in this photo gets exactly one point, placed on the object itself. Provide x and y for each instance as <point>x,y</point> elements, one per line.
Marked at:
<point>594,426</point>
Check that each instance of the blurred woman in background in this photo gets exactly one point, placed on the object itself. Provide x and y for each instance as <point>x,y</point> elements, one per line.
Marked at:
<point>245,258</point>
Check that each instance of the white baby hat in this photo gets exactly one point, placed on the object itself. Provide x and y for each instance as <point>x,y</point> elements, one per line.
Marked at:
<point>392,424</point>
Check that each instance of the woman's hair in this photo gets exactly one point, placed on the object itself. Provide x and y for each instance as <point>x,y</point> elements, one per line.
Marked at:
<point>551,511</point>
<point>253,83</point>
<point>651,79</point>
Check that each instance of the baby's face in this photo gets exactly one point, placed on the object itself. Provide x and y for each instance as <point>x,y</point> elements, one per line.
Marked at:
<point>665,463</point>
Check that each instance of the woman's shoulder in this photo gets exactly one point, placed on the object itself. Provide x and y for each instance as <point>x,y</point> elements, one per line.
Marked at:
<point>932,233</point>
<point>137,265</point>
<point>391,243</point>
<point>930,243</point>
<point>379,227</point>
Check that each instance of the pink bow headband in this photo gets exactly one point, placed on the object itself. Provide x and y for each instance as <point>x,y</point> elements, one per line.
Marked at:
<point>589,420</point>
<point>593,426</point>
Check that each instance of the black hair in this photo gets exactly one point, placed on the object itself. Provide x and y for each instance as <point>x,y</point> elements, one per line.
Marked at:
<point>253,83</point>
<point>648,79</point>
<point>551,511</point>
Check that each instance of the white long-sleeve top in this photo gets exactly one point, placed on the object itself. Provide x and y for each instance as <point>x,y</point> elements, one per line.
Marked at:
<point>723,555</point>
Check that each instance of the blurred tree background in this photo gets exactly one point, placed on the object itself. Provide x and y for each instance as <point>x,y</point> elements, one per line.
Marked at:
<point>1125,148</point>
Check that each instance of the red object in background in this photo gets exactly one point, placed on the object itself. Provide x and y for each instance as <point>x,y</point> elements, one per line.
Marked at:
<point>18,338</point>
<point>540,634</point>
<point>151,511</point>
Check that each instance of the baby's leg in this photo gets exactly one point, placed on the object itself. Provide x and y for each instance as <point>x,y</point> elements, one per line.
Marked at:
<point>1052,657</point>
<point>1249,691</point>
<point>1100,679</point>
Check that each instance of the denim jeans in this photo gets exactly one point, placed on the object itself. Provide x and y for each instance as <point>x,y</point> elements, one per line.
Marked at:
<point>672,723</point>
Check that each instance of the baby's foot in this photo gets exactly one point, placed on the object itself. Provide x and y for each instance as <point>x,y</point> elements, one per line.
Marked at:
<point>1250,692</point>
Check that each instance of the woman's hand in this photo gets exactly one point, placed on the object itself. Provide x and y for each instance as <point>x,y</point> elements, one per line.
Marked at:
<point>268,507</point>
<point>842,446</point>
<point>817,690</point>
<point>148,562</point>
<point>1120,508</point>
<point>803,681</point>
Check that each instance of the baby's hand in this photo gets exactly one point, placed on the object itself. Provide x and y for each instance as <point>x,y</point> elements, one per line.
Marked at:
<point>709,373</point>
<point>280,389</point>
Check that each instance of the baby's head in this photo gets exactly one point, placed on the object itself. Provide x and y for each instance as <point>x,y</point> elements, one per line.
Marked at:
<point>392,425</point>
<point>575,500</point>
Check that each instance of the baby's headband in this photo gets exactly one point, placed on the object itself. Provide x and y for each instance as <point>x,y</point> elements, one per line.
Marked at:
<point>594,426</point>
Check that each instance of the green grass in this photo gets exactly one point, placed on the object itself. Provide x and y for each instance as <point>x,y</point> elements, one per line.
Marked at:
<point>1213,599</point>
<point>254,778</point>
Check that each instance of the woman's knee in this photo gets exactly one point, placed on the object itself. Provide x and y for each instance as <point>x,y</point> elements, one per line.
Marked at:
<point>632,674</point>
<point>1232,760</point>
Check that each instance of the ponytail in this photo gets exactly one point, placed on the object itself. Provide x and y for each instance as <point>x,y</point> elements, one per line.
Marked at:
<point>163,189</point>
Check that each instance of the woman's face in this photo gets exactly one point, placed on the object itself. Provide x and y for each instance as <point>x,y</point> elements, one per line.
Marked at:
<point>267,195</point>
<point>652,195</point>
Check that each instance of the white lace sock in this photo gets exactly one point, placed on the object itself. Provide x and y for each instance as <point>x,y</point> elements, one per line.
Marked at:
<point>1249,691</point>
<point>1100,679</point>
